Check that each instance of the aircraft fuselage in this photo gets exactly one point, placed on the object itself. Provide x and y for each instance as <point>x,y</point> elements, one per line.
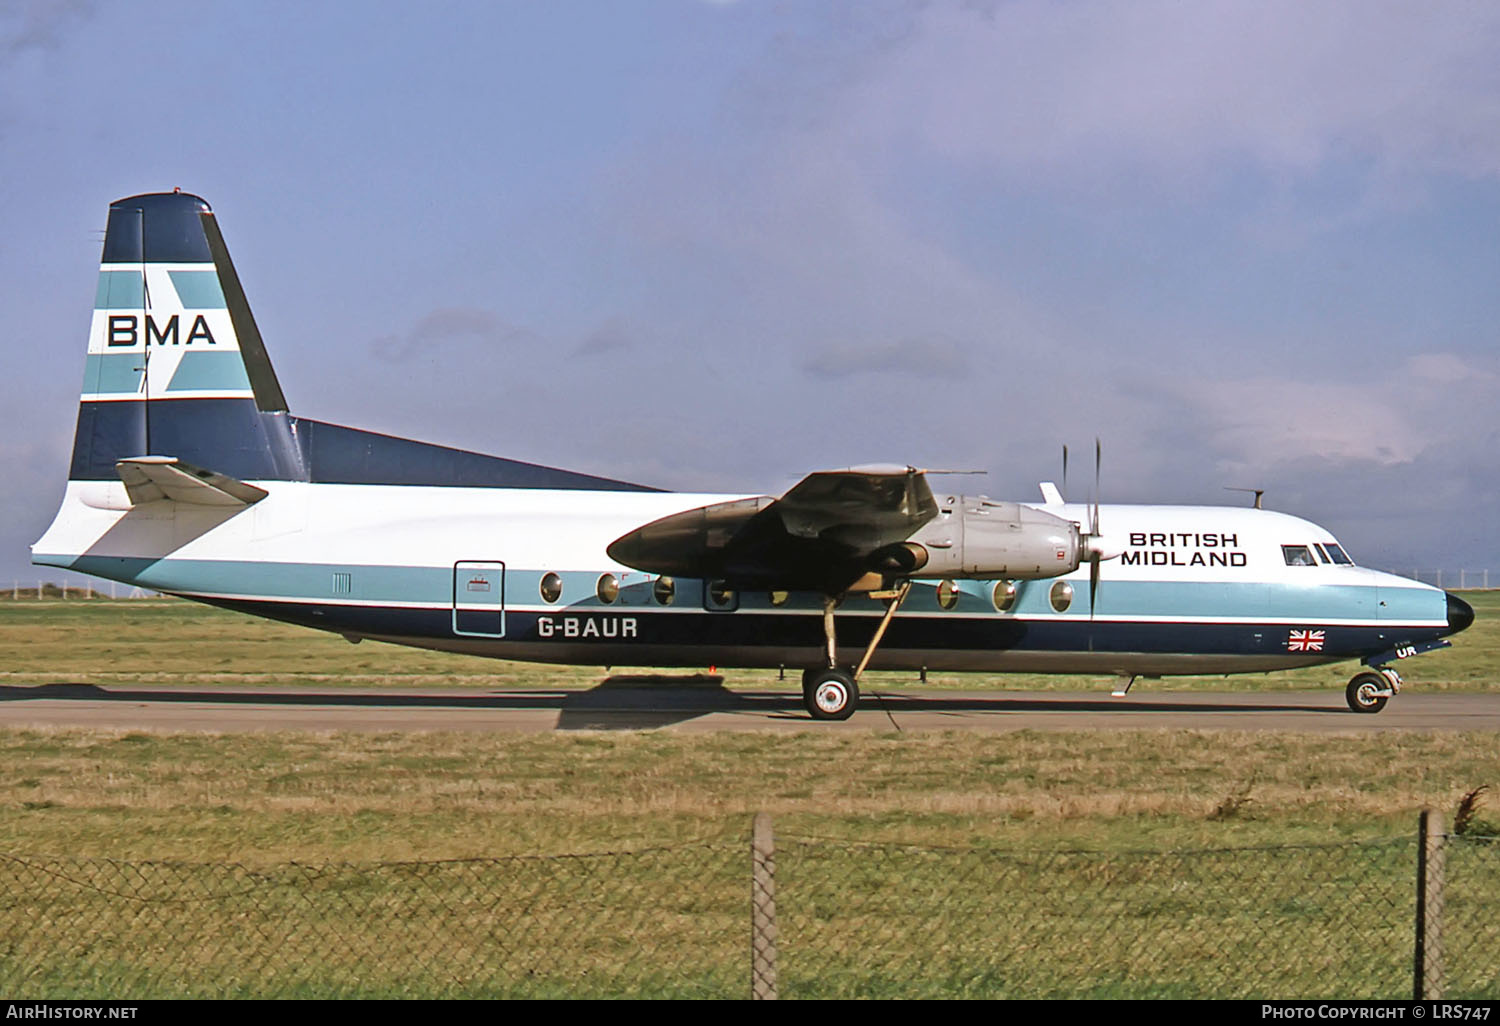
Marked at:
<point>1194,590</point>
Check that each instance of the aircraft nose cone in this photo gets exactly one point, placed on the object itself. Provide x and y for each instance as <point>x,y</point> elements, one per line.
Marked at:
<point>1460,614</point>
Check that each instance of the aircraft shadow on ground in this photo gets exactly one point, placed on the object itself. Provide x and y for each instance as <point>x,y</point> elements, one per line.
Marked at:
<point>636,702</point>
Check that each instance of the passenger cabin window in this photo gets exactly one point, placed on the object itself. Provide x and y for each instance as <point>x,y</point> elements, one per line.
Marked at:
<point>1298,555</point>
<point>551,587</point>
<point>719,595</point>
<point>608,589</point>
<point>664,590</point>
<point>947,594</point>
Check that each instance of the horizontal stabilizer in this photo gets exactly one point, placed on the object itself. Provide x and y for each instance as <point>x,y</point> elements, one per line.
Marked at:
<point>158,478</point>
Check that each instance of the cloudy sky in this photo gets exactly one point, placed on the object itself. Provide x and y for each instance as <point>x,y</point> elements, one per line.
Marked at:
<point>717,245</point>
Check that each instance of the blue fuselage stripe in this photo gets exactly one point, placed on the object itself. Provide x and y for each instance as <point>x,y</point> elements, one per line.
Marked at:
<point>1135,617</point>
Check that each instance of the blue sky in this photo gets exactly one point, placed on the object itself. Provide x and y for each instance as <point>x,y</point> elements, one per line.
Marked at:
<point>717,245</point>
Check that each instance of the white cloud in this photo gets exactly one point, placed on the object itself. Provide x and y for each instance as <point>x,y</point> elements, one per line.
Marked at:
<point>1089,90</point>
<point>1382,416</point>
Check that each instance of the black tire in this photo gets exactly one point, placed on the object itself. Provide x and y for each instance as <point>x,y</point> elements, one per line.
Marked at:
<point>1363,692</point>
<point>829,694</point>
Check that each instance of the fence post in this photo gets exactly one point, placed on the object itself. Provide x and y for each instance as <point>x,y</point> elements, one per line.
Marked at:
<point>1428,956</point>
<point>762,910</point>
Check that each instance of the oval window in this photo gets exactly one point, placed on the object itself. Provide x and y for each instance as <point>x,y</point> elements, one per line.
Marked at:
<point>779,598</point>
<point>1005,595</point>
<point>608,589</point>
<point>551,587</point>
<point>663,590</point>
<point>1061,596</point>
<point>947,594</point>
<point>720,595</point>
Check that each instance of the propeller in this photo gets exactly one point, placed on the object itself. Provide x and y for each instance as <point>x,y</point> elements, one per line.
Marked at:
<point>1094,552</point>
<point>1097,548</point>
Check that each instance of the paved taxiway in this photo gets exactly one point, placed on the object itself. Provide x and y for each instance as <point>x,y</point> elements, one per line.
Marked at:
<point>630,704</point>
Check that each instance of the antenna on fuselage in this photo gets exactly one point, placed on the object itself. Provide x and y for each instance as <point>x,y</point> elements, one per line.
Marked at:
<point>1258,493</point>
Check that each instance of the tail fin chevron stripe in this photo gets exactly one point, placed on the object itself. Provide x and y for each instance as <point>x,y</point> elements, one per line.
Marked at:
<point>158,305</point>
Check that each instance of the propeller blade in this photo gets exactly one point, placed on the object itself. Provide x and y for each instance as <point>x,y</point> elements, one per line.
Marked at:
<point>1065,473</point>
<point>1094,513</point>
<point>1095,554</point>
<point>1093,582</point>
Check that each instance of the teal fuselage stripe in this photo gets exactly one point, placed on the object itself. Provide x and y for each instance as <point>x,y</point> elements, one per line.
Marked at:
<point>316,582</point>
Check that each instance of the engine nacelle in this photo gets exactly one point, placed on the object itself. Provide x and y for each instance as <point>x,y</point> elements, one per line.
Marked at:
<point>973,536</point>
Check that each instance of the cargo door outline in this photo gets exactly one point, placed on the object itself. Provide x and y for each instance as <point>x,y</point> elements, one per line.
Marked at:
<point>479,599</point>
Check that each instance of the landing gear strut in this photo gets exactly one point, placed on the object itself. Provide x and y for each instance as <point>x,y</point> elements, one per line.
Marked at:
<point>1369,690</point>
<point>831,692</point>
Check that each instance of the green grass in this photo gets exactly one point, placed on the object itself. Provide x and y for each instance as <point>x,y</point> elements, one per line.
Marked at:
<point>338,796</point>
<point>911,864</point>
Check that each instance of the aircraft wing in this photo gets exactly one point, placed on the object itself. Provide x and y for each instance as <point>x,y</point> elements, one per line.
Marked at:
<point>827,531</point>
<point>154,478</point>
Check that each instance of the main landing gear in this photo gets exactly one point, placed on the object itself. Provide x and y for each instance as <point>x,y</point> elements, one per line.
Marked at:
<point>831,692</point>
<point>1369,690</point>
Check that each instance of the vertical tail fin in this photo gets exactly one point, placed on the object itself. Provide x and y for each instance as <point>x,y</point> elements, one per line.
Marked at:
<point>176,366</point>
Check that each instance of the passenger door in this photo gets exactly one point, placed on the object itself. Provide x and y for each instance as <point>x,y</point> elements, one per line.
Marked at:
<point>479,599</point>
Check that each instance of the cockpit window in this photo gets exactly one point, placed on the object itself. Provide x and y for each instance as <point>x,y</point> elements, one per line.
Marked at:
<point>1298,555</point>
<point>1336,554</point>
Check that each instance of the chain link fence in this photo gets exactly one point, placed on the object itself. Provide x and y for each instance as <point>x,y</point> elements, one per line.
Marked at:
<point>663,922</point>
<point>1471,917</point>
<point>789,916</point>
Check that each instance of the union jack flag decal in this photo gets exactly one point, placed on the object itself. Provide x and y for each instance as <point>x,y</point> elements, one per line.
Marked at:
<point>1305,641</point>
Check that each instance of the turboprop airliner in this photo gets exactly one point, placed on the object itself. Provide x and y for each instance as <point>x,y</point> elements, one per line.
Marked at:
<point>191,476</point>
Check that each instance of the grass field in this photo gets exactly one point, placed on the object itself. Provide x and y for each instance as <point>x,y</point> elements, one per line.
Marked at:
<point>440,795</point>
<point>347,799</point>
<point>320,846</point>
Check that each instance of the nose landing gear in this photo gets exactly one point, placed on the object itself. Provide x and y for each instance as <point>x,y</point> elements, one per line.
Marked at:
<point>1369,690</point>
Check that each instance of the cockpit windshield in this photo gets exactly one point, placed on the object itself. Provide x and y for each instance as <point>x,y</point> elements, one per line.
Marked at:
<point>1326,553</point>
<point>1336,554</point>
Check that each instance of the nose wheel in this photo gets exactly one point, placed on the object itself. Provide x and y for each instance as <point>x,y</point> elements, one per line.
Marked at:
<point>1369,691</point>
